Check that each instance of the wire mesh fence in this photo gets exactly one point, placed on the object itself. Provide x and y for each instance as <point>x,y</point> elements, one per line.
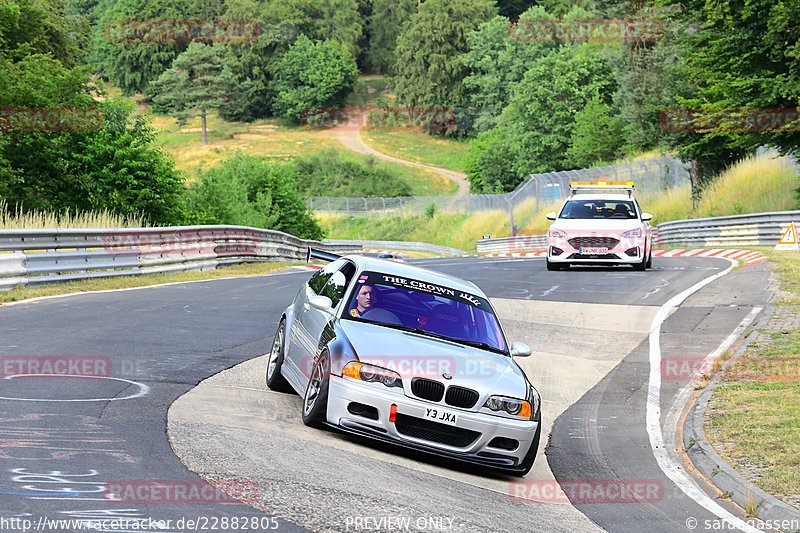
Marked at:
<point>651,175</point>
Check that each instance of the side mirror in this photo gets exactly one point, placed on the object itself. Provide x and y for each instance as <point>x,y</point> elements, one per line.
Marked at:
<point>323,303</point>
<point>551,215</point>
<point>646,217</point>
<point>520,349</point>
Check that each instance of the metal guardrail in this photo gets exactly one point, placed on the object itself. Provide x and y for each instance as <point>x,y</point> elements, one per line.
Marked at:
<point>757,229</point>
<point>36,257</point>
<point>402,245</point>
<point>518,243</point>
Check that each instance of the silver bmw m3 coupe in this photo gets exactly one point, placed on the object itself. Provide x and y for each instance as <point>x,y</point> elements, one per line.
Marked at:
<point>409,356</point>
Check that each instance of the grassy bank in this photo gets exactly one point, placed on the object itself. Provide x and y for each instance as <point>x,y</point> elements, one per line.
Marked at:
<point>755,411</point>
<point>751,186</point>
<point>420,147</point>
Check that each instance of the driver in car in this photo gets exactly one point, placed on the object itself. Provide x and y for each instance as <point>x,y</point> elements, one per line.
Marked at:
<point>366,299</point>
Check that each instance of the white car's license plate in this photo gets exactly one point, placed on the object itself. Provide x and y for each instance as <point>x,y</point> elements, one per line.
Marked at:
<point>593,250</point>
<point>441,416</point>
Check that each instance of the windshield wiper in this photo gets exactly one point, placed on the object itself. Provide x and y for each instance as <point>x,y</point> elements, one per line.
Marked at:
<point>481,344</point>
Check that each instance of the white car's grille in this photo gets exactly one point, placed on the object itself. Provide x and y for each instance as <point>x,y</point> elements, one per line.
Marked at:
<point>593,242</point>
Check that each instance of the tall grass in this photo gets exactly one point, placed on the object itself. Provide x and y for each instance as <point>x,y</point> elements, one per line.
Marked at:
<point>753,185</point>
<point>673,204</point>
<point>19,219</point>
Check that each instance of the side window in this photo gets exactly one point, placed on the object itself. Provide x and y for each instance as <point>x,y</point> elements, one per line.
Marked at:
<point>336,283</point>
<point>318,280</point>
<point>335,288</point>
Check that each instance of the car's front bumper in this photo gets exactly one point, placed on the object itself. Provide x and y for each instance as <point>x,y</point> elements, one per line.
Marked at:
<point>631,253</point>
<point>344,393</point>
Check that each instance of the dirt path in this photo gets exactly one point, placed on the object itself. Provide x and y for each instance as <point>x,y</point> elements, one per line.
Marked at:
<point>350,136</point>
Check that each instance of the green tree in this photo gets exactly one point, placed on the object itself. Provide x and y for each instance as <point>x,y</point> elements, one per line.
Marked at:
<point>120,168</point>
<point>491,163</point>
<point>132,62</point>
<point>497,62</point>
<point>740,54</point>
<point>258,61</point>
<point>560,8</point>
<point>280,23</point>
<point>597,136</point>
<point>388,18</point>
<point>429,71</point>
<point>40,26</point>
<point>512,9</point>
<point>248,191</point>
<point>92,166</point>
<point>339,21</point>
<point>312,75</point>
<point>535,129</point>
<point>198,81</point>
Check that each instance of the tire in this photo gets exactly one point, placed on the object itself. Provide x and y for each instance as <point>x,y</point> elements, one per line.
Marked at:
<point>649,263</point>
<point>552,266</point>
<point>641,266</point>
<point>315,399</point>
<point>275,380</point>
<point>527,462</point>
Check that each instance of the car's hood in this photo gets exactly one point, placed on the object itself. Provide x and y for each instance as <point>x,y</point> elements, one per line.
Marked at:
<point>596,225</point>
<point>416,355</point>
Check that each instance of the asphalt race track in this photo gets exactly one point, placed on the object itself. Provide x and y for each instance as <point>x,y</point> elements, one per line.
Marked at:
<point>65,440</point>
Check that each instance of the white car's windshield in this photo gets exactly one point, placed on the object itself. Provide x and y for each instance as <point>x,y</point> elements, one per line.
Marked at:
<point>598,208</point>
<point>427,308</point>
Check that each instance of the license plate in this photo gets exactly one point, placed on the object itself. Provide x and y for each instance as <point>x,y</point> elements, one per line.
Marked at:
<point>593,250</point>
<point>441,416</point>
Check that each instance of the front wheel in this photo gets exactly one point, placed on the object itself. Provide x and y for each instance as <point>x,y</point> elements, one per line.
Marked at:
<point>649,260</point>
<point>641,266</point>
<point>315,400</point>
<point>275,379</point>
<point>552,266</point>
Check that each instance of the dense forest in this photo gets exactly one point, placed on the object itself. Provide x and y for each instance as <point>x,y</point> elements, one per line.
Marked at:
<point>526,100</point>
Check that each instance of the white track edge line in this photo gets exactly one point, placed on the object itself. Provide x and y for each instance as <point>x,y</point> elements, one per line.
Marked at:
<point>653,414</point>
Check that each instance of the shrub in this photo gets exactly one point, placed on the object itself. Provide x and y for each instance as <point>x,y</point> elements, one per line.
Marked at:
<point>330,174</point>
<point>245,190</point>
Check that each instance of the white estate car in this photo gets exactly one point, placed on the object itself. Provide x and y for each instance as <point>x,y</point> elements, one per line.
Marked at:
<point>600,223</point>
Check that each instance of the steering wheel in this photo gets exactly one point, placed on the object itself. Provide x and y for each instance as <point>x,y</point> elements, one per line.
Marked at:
<point>377,314</point>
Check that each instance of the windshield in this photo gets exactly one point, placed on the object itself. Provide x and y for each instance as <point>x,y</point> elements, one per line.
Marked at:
<point>598,208</point>
<point>427,308</point>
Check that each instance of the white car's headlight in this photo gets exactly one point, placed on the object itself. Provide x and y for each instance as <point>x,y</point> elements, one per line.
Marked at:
<point>512,406</point>
<point>556,233</point>
<point>372,374</point>
<point>633,234</point>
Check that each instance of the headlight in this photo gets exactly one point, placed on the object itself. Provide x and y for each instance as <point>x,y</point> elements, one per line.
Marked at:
<point>372,374</point>
<point>556,233</point>
<point>633,234</point>
<point>512,406</point>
